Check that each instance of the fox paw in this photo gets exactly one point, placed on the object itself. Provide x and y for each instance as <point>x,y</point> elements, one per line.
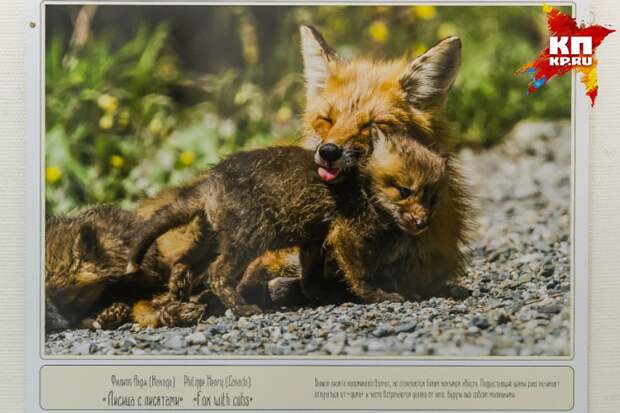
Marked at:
<point>112,317</point>
<point>177,314</point>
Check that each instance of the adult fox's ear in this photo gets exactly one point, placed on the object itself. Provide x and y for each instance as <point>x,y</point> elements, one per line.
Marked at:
<point>428,78</point>
<point>317,55</point>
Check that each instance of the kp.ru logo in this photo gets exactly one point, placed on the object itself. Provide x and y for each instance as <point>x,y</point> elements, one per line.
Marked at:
<point>579,54</point>
<point>571,47</point>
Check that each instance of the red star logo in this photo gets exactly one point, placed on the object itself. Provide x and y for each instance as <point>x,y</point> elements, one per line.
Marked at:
<point>543,68</point>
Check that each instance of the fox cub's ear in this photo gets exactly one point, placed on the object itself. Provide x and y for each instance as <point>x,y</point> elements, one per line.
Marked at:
<point>428,78</point>
<point>86,244</point>
<point>380,146</point>
<point>317,55</point>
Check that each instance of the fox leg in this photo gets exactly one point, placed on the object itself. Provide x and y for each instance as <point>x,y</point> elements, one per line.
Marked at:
<point>180,282</point>
<point>347,248</point>
<point>182,279</point>
<point>286,292</point>
<point>253,286</point>
<point>273,278</point>
<point>319,282</point>
<point>223,273</point>
<point>312,278</point>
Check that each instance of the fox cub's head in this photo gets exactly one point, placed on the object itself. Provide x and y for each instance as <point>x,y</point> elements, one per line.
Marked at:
<point>72,252</point>
<point>344,99</point>
<point>407,178</point>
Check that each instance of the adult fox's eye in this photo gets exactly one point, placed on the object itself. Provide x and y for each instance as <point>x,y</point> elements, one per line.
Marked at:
<point>326,119</point>
<point>404,192</point>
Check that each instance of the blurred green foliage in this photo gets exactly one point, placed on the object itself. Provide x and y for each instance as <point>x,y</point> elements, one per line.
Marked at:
<point>126,115</point>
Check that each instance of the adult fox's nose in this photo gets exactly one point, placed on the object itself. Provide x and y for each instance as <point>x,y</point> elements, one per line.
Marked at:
<point>330,152</point>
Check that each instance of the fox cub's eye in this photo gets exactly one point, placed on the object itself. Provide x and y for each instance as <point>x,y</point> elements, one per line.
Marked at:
<point>404,192</point>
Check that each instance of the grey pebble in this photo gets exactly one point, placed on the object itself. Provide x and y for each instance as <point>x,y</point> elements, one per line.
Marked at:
<point>405,328</point>
<point>196,338</point>
<point>383,330</point>
<point>243,323</point>
<point>174,342</point>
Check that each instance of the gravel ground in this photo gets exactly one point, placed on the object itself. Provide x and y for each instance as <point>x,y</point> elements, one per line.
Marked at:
<point>519,275</point>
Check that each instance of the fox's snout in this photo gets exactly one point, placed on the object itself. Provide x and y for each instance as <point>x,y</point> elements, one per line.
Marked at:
<point>330,152</point>
<point>421,223</point>
<point>328,157</point>
<point>332,159</point>
<point>416,223</point>
<point>337,156</point>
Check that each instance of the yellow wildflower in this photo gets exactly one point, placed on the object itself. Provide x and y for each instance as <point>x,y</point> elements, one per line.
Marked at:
<point>284,114</point>
<point>425,12</point>
<point>117,161</point>
<point>106,122</point>
<point>52,174</point>
<point>107,103</point>
<point>123,118</point>
<point>156,125</point>
<point>378,31</point>
<point>187,158</point>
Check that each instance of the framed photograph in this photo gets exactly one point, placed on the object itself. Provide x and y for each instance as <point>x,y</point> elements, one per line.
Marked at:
<point>315,206</point>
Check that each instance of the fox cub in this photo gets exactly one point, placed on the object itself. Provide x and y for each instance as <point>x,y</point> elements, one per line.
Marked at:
<point>85,280</point>
<point>273,198</point>
<point>415,253</point>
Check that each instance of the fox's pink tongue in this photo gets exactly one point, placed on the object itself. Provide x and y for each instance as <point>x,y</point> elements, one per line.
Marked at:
<point>327,174</point>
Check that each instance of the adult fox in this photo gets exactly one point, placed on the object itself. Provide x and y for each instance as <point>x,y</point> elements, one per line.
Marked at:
<point>343,100</point>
